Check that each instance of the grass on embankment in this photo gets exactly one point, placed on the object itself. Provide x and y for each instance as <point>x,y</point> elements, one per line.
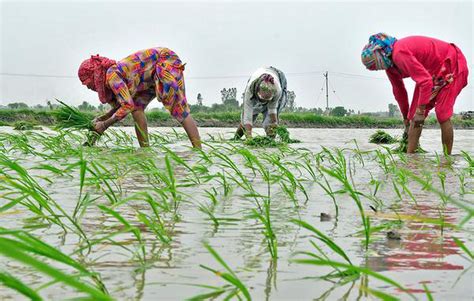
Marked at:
<point>232,119</point>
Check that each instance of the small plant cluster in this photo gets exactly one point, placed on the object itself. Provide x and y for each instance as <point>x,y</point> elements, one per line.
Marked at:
<point>282,138</point>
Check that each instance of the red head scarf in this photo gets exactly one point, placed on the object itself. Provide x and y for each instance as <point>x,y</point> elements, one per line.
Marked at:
<point>93,71</point>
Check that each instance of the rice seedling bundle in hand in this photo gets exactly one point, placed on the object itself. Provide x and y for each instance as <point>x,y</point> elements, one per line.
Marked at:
<point>382,137</point>
<point>403,146</point>
<point>68,117</point>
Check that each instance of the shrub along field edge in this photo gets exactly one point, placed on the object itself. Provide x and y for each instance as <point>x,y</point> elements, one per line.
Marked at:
<point>8,117</point>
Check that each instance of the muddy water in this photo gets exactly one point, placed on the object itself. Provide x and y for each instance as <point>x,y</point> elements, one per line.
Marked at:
<point>424,254</point>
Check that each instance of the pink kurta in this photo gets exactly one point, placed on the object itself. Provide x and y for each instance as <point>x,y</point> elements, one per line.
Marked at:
<point>439,70</point>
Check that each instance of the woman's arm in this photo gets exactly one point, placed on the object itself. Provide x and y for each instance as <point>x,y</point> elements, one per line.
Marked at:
<point>114,107</point>
<point>399,90</point>
<point>408,62</point>
<point>247,114</point>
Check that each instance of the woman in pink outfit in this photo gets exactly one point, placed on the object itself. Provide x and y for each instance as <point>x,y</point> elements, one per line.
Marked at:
<point>439,70</point>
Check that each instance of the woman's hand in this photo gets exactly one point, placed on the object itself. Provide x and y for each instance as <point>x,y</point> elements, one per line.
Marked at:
<point>406,122</point>
<point>419,120</point>
<point>100,127</point>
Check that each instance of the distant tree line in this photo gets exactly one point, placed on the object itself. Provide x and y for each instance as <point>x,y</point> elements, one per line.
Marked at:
<point>229,103</point>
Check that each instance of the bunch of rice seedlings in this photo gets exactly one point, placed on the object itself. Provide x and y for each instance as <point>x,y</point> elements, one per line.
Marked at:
<point>68,117</point>
<point>403,146</point>
<point>262,141</point>
<point>282,137</point>
<point>282,132</point>
<point>25,126</point>
<point>382,137</point>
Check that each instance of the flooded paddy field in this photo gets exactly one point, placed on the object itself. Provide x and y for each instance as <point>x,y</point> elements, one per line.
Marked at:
<point>333,217</point>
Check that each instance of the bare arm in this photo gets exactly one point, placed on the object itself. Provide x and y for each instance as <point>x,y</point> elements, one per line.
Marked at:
<point>114,107</point>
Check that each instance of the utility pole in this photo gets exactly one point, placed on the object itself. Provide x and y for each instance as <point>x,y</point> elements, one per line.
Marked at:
<point>327,93</point>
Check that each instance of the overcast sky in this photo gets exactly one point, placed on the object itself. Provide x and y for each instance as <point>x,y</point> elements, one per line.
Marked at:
<point>222,42</point>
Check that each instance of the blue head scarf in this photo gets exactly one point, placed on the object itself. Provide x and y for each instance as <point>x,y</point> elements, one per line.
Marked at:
<point>377,54</point>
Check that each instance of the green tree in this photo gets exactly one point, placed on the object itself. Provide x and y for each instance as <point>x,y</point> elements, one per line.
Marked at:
<point>338,111</point>
<point>85,106</point>
<point>393,110</point>
<point>17,105</point>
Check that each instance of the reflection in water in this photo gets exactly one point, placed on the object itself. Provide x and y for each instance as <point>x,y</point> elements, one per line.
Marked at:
<point>423,245</point>
<point>271,278</point>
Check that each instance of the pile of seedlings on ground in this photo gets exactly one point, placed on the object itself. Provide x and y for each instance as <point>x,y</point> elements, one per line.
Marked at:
<point>382,137</point>
<point>25,126</point>
<point>282,137</point>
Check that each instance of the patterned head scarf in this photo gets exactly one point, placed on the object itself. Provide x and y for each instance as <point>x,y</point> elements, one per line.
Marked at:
<point>92,74</point>
<point>266,88</point>
<point>377,54</point>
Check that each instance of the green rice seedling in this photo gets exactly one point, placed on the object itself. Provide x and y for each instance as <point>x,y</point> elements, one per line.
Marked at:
<point>341,269</point>
<point>179,136</point>
<point>16,284</point>
<point>397,191</point>
<point>229,276</point>
<point>209,211</point>
<point>250,160</point>
<point>141,255</point>
<point>386,225</point>
<point>33,196</point>
<point>282,132</point>
<point>308,165</point>
<point>181,162</point>
<point>155,224</point>
<point>227,162</point>
<point>383,162</point>
<point>470,162</point>
<point>323,238</point>
<point>382,137</point>
<point>378,294</point>
<point>429,297</point>
<point>171,183</point>
<point>264,215</point>
<point>25,126</point>
<point>262,141</point>
<point>328,189</point>
<point>18,142</point>
<point>442,180</point>
<point>222,179</point>
<point>462,183</point>
<point>463,247</point>
<point>68,117</point>
<point>403,179</point>
<point>101,175</point>
<point>403,146</point>
<point>460,204</point>
<point>339,172</point>
<point>212,195</point>
<point>21,246</point>
<point>159,139</point>
<point>355,269</point>
<point>282,138</point>
<point>295,183</point>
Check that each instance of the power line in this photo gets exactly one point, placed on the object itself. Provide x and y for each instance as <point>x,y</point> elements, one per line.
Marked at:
<point>334,91</point>
<point>37,75</point>
<point>303,73</point>
<point>352,75</point>
<point>319,95</point>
